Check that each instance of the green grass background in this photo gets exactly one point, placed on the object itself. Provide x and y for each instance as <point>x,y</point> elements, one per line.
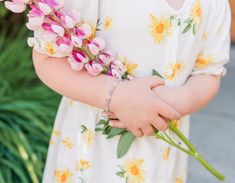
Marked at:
<point>27,107</point>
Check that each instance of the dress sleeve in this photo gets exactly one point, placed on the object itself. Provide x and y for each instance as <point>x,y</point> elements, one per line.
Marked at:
<point>215,40</point>
<point>45,42</point>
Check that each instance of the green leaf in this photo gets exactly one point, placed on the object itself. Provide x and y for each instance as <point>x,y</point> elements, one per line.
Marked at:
<point>115,131</point>
<point>194,29</point>
<point>187,28</point>
<point>98,129</point>
<point>124,143</point>
<point>102,122</point>
<point>120,174</point>
<point>155,73</point>
<point>188,20</point>
<point>84,128</point>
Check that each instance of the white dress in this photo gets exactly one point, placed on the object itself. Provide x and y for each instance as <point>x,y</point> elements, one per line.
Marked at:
<point>192,40</point>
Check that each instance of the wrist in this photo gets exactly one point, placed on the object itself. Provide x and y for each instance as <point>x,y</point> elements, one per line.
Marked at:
<point>116,96</point>
<point>172,96</point>
<point>107,111</point>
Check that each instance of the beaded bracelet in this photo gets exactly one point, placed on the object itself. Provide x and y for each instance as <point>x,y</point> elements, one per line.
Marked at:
<point>106,111</point>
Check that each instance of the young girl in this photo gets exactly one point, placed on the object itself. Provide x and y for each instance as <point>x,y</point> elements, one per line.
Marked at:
<point>187,41</point>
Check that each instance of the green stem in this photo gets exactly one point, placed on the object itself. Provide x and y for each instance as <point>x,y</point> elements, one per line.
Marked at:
<point>168,137</point>
<point>195,153</point>
<point>208,166</point>
<point>162,138</point>
<point>177,146</point>
<point>182,137</point>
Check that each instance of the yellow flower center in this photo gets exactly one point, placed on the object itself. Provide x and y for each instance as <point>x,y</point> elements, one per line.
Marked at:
<point>50,48</point>
<point>134,170</point>
<point>198,11</point>
<point>160,28</point>
<point>201,61</point>
<point>63,177</point>
<point>108,23</point>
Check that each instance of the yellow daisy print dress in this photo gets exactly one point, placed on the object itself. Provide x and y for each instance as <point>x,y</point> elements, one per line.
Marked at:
<point>149,35</point>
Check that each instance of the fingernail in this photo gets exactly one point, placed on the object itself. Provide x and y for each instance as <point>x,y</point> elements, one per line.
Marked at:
<point>110,123</point>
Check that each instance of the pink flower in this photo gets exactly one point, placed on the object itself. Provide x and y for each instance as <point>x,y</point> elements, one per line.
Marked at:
<point>117,68</point>
<point>68,19</point>
<point>36,18</point>
<point>116,73</point>
<point>94,68</point>
<point>99,42</point>
<point>72,19</point>
<point>75,65</point>
<point>65,45</point>
<point>93,49</point>
<point>96,45</point>
<point>16,6</point>
<point>80,56</point>
<point>76,41</point>
<point>83,32</point>
<point>118,64</point>
<point>78,60</point>
<point>48,6</point>
<point>45,8</point>
<point>106,57</point>
<point>54,27</point>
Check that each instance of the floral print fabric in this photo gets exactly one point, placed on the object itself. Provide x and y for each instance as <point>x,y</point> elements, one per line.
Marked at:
<point>149,35</point>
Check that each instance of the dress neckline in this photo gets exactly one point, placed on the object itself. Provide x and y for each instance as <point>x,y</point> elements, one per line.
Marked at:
<point>173,10</point>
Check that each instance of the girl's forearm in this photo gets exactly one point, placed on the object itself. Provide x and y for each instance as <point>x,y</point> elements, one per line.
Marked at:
<point>79,86</point>
<point>197,92</point>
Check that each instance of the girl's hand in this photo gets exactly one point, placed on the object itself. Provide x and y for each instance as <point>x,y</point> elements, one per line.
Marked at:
<point>137,107</point>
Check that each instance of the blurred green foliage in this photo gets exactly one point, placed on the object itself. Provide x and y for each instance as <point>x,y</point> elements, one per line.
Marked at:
<point>27,111</point>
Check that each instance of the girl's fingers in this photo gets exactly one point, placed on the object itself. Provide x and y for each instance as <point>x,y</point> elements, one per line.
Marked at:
<point>160,124</point>
<point>117,124</point>
<point>166,110</point>
<point>137,132</point>
<point>148,130</point>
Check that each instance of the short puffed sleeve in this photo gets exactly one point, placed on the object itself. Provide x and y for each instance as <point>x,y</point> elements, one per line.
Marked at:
<point>215,49</point>
<point>45,42</point>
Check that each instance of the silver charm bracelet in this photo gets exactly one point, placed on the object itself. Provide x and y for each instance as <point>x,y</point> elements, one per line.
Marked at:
<point>106,111</point>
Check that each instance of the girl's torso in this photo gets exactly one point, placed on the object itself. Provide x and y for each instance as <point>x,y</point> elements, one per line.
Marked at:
<point>151,34</point>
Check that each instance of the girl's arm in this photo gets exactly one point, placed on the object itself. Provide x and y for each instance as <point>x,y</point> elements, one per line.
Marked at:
<point>133,101</point>
<point>196,93</point>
